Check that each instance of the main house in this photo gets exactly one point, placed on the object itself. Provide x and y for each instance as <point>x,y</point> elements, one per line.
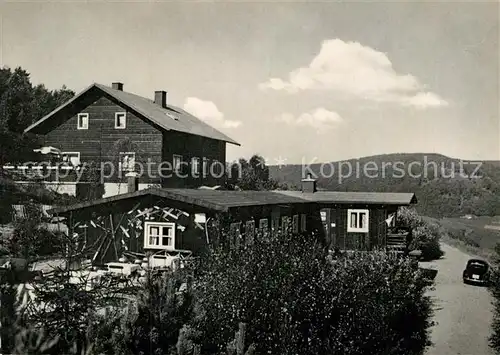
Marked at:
<point>119,133</point>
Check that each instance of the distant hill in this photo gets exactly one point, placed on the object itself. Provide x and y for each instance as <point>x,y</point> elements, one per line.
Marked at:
<point>443,188</point>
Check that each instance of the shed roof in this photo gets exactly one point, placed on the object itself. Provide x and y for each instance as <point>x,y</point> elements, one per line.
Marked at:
<point>341,197</point>
<point>220,200</point>
<point>171,118</point>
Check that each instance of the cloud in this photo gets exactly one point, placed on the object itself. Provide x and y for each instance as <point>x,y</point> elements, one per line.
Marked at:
<point>208,111</point>
<point>321,119</point>
<point>359,71</point>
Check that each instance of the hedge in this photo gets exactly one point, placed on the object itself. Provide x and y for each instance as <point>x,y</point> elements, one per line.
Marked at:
<point>281,296</point>
<point>296,301</point>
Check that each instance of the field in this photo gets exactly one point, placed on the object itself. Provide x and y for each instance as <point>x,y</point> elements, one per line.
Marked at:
<point>477,235</point>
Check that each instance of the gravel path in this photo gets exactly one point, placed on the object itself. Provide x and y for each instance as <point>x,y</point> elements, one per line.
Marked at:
<point>463,312</point>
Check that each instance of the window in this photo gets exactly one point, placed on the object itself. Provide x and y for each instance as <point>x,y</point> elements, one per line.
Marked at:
<point>234,235</point>
<point>295,222</point>
<point>264,225</point>
<point>217,169</point>
<point>176,163</point>
<point>72,158</point>
<point>285,224</point>
<point>195,166</point>
<point>83,121</point>
<point>205,167</point>
<point>275,224</point>
<point>127,161</point>
<point>120,120</point>
<point>159,235</point>
<point>357,221</point>
<point>249,232</point>
<point>303,219</point>
<point>172,116</point>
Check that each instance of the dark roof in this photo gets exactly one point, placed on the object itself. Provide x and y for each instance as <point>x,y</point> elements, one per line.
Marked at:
<point>156,114</point>
<point>374,198</point>
<point>220,200</point>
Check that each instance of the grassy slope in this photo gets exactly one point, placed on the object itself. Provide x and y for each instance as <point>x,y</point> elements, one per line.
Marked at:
<point>471,235</point>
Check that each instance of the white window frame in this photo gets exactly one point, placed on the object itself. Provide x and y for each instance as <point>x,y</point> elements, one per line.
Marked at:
<point>195,167</point>
<point>71,153</point>
<point>357,228</point>
<point>117,114</point>
<point>121,154</point>
<point>85,121</point>
<point>160,225</point>
<point>174,167</point>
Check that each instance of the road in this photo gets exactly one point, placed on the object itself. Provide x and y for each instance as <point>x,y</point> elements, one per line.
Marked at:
<point>463,313</point>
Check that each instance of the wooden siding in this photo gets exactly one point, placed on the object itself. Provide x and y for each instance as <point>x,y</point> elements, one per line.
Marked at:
<point>377,231</point>
<point>188,147</point>
<point>102,143</point>
<point>108,235</point>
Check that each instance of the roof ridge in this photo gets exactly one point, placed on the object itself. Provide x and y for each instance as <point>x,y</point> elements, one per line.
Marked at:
<point>148,109</point>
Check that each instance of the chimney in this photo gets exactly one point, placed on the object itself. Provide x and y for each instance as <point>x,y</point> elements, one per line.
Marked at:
<point>309,184</point>
<point>117,86</point>
<point>161,98</point>
<point>132,182</point>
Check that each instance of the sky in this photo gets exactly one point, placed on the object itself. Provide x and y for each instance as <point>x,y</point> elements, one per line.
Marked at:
<point>294,82</point>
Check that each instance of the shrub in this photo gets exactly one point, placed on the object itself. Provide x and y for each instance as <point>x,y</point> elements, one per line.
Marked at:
<point>426,235</point>
<point>151,323</point>
<point>30,239</point>
<point>295,301</point>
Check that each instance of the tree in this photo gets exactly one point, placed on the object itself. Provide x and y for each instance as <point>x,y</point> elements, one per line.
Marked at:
<point>21,104</point>
<point>252,175</point>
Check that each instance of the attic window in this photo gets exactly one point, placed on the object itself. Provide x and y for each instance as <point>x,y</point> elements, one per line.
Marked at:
<point>172,116</point>
<point>120,120</point>
<point>83,121</point>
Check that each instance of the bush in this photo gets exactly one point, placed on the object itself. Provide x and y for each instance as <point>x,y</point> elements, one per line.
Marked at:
<point>30,241</point>
<point>294,300</point>
<point>150,324</point>
<point>426,235</point>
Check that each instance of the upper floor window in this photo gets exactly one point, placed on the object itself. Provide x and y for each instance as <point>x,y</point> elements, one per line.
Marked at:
<point>83,121</point>
<point>120,120</point>
<point>357,221</point>
<point>159,235</point>
<point>176,162</point>
<point>295,222</point>
<point>72,158</point>
<point>195,166</point>
<point>127,161</point>
<point>217,169</point>
<point>205,167</point>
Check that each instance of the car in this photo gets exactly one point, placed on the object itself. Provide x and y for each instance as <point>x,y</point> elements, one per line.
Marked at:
<point>476,271</point>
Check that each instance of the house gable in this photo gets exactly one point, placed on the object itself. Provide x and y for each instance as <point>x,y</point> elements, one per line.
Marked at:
<point>101,141</point>
<point>166,118</point>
